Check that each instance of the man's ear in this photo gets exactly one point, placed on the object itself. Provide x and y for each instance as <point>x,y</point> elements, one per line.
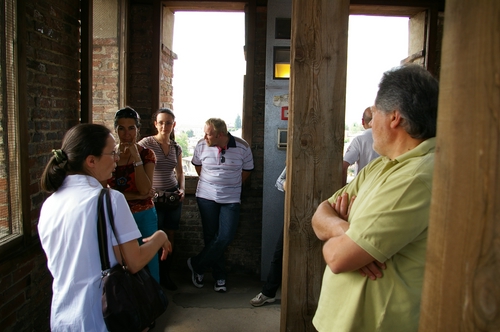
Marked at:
<point>396,119</point>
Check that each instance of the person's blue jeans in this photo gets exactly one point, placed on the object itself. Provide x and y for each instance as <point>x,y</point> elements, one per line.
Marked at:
<point>147,222</point>
<point>220,222</point>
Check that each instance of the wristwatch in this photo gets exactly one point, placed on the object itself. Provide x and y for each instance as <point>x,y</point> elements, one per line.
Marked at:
<point>139,163</point>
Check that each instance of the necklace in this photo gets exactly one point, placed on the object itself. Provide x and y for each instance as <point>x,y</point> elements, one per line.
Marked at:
<point>122,175</point>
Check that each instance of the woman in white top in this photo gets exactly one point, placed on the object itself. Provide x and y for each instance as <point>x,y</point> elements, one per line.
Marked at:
<point>68,228</point>
<point>168,177</point>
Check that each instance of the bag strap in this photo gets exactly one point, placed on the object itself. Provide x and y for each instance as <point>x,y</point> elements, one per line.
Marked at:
<point>101,228</point>
<point>101,232</point>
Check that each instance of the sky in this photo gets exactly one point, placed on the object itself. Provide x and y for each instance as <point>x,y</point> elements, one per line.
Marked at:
<point>209,70</point>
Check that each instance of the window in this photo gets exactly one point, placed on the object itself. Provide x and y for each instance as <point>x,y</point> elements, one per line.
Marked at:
<point>11,226</point>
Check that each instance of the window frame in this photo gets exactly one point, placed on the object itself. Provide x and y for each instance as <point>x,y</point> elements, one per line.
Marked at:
<point>16,242</point>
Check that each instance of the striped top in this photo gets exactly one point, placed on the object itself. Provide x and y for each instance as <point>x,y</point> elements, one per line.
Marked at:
<point>164,177</point>
<point>220,177</point>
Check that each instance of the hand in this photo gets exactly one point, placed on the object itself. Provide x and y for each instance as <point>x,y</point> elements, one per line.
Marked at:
<point>132,147</point>
<point>373,270</point>
<point>343,205</point>
<point>167,249</point>
<point>167,246</point>
<point>181,194</point>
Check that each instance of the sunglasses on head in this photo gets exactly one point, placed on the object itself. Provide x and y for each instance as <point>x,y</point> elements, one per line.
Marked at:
<point>127,113</point>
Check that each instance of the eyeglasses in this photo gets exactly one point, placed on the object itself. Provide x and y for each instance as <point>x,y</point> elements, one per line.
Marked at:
<point>222,158</point>
<point>113,153</point>
<point>127,113</point>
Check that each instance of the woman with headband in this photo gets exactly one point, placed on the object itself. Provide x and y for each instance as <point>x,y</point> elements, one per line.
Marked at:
<point>133,176</point>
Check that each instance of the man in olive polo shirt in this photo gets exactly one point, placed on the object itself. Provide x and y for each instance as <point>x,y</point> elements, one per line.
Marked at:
<point>375,228</point>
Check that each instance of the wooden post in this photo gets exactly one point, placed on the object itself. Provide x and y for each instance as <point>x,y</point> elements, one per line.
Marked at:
<point>315,147</point>
<point>461,290</point>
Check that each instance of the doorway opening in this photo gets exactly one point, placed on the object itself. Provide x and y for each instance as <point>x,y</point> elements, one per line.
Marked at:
<point>209,71</point>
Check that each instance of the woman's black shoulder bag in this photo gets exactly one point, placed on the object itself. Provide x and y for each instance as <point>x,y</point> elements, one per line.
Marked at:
<point>130,302</point>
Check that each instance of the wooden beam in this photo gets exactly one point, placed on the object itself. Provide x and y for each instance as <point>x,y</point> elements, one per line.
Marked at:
<point>248,86</point>
<point>461,291</point>
<point>23,134</point>
<point>206,5</point>
<point>431,42</point>
<point>406,8</point>
<point>315,146</point>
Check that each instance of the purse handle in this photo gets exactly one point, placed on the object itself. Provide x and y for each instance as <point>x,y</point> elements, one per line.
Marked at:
<point>102,230</point>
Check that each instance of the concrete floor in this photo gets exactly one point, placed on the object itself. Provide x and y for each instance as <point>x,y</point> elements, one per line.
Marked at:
<point>204,310</point>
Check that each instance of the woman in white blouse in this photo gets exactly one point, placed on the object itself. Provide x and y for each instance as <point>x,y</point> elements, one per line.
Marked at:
<point>68,228</point>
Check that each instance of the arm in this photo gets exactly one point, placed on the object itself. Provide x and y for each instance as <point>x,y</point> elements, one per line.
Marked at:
<point>198,169</point>
<point>179,171</point>
<point>340,252</point>
<point>136,257</point>
<point>245,175</point>
<point>143,174</point>
<point>149,168</point>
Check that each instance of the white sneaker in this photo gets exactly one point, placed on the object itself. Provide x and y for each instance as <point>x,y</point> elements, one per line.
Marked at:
<point>261,299</point>
<point>220,286</point>
<point>196,278</point>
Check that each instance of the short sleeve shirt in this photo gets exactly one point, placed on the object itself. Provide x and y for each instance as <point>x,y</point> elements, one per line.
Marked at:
<point>389,220</point>
<point>68,233</point>
<point>220,178</point>
<point>164,176</point>
<point>360,150</point>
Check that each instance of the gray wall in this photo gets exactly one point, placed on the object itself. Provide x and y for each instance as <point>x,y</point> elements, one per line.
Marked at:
<point>274,158</point>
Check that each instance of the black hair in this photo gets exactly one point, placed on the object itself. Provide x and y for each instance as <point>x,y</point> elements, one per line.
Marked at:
<point>79,142</point>
<point>127,113</point>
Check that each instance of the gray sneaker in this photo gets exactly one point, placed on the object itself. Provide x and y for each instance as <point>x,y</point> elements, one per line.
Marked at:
<point>196,278</point>
<point>261,299</point>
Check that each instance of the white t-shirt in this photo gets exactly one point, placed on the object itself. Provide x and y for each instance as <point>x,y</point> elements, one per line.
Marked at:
<point>220,178</point>
<point>68,233</point>
<point>360,150</point>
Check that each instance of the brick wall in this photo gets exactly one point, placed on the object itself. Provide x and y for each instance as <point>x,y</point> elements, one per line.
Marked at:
<point>166,89</point>
<point>105,79</point>
<point>52,97</point>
